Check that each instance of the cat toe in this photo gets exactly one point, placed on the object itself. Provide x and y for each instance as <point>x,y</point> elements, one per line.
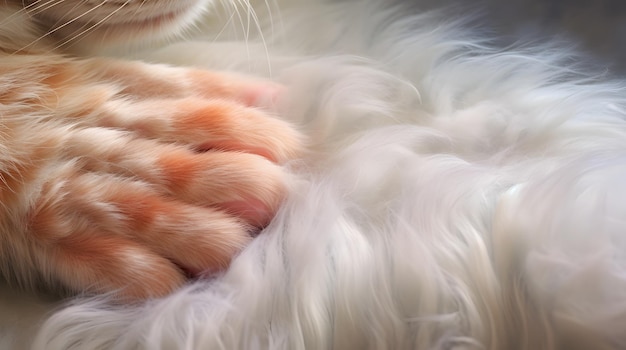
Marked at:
<point>264,95</point>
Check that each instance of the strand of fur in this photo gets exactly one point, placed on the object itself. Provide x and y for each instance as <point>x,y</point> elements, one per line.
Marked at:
<point>460,196</point>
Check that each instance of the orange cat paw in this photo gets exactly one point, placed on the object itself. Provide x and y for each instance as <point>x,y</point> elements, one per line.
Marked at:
<point>131,190</point>
<point>106,233</point>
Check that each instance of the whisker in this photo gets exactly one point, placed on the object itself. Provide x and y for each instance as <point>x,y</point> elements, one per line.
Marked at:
<point>270,17</point>
<point>83,32</point>
<point>48,33</point>
<point>26,9</point>
<point>238,15</point>
<point>44,7</point>
<point>237,12</point>
<point>63,18</point>
<point>139,7</point>
<point>271,8</point>
<point>247,8</point>
<point>257,23</point>
<point>193,28</point>
<point>223,29</point>
<point>247,32</point>
<point>35,6</point>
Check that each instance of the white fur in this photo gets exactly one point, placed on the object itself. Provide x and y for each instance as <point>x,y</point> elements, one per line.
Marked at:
<point>456,196</point>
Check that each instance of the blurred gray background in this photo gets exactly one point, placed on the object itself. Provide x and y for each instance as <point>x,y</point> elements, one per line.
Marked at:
<point>599,26</point>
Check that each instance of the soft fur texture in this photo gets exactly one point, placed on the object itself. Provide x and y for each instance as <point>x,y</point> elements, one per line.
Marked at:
<point>124,177</point>
<point>456,195</point>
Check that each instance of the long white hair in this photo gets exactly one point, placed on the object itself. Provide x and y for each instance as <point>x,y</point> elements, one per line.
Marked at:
<point>457,194</point>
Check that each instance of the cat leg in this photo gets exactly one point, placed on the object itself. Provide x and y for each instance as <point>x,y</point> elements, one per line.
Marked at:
<point>102,233</point>
<point>205,124</point>
<point>109,187</point>
<point>203,108</point>
<point>228,180</point>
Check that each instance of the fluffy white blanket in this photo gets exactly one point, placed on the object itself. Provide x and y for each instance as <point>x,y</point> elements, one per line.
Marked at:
<point>456,195</point>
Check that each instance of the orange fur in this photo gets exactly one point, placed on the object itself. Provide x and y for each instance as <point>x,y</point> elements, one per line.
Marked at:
<point>123,177</point>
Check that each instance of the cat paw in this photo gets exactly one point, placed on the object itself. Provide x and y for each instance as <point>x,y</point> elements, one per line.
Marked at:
<point>143,193</point>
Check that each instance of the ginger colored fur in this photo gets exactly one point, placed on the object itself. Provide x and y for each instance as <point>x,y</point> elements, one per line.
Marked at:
<point>126,177</point>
